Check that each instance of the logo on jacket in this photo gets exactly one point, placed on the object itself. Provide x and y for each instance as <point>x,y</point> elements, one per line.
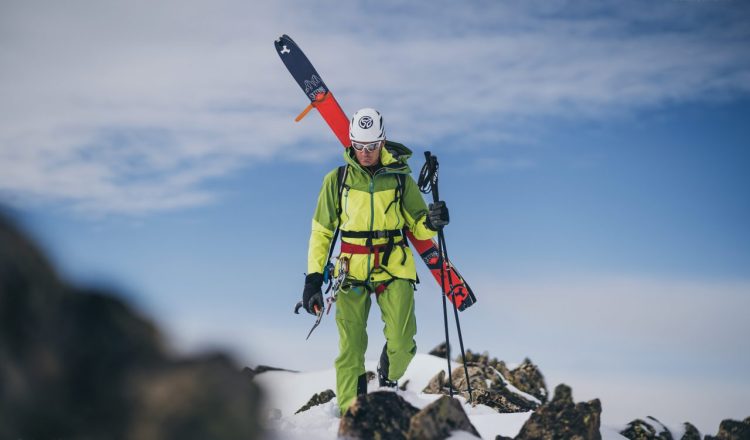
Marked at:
<point>365,122</point>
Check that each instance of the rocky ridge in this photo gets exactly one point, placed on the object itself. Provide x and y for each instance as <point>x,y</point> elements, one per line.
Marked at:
<point>78,362</point>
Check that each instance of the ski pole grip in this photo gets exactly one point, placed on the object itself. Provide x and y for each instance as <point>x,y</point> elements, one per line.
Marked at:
<point>432,166</point>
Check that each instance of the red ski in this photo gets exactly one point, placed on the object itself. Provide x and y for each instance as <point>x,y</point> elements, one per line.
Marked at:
<point>321,98</point>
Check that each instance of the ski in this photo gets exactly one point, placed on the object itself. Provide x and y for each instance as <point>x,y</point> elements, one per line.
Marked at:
<point>321,98</point>
<point>315,89</point>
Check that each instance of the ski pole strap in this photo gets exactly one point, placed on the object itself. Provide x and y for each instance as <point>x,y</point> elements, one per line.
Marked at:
<point>386,249</point>
<point>428,176</point>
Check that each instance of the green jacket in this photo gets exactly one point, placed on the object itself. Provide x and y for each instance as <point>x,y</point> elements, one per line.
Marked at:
<point>368,203</point>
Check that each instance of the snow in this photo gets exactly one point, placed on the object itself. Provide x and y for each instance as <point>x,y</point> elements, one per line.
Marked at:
<point>610,433</point>
<point>288,392</point>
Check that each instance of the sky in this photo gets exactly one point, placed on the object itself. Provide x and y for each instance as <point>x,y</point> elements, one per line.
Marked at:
<point>593,158</point>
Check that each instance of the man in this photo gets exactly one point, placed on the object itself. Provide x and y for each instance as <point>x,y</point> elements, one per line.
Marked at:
<point>377,200</point>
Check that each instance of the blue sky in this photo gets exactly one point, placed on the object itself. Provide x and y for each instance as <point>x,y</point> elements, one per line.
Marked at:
<point>593,156</point>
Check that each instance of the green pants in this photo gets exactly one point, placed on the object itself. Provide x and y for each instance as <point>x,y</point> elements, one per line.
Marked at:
<point>352,308</point>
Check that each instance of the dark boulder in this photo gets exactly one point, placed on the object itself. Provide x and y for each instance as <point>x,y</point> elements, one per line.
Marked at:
<point>732,430</point>
<point>440,351</point>
<point>404,385</point>
<point>691,432</point>
<point>649,429</point>
<point>439,419</point>
<point>260,369</point>
<point>382,414</point>
<point>197,398</point>
<point>370,376</point>
<point>81,363</point>
<point>318,399</point>
<point>563,419</point>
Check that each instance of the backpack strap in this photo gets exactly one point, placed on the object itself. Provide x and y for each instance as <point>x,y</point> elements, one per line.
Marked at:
<point>341,181</point>
<point>401,179</point>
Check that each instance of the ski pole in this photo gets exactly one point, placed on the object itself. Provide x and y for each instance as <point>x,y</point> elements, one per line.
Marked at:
<point>428,182</point>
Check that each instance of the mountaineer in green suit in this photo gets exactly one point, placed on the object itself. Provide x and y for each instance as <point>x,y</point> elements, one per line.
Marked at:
<point>377,201</point>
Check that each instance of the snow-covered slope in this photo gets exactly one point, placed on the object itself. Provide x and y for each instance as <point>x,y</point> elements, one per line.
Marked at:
<point>288,392</point>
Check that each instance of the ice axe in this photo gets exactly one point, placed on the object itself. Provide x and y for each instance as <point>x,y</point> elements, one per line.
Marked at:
<point>318,313</point>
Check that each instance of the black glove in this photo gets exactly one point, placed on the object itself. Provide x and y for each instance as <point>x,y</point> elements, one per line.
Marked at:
<point>437,217</point>
<point>312,295</point>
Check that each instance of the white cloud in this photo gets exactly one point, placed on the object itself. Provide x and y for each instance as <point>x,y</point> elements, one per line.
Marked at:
<point>668,318</point>
<point>204,76</point>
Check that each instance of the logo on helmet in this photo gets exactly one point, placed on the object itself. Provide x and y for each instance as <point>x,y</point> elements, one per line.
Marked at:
<point>365,122</point>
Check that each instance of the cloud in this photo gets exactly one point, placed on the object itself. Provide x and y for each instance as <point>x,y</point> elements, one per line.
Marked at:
<point>678,325</point>
<point>98,96</point>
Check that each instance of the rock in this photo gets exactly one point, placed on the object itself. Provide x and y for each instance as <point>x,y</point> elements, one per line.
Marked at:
<point>488,388</point>
<point>502,368</point>
<point>732,430</point>
<point>382,414</point>
<point>439,419</point>
<point>82,363</point>
<point>526,377</point>
<point>194,398</point>
<point>440,351</point>
<point>265,368</point>
<point>474,358</point>
<point>691,432</point>
<point>403,386</point>
<point>318,399</point>
<point>437,385</point>
<point>650,429</point>
<point>561,418</point>
<point>502,402</point>
<point>260,369</point>
<point>478,378</point>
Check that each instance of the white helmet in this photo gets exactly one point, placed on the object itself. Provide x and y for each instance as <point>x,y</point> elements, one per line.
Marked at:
<point>367,126</point>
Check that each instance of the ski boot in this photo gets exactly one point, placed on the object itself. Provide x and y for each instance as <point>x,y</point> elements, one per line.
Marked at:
<point>383,371</point>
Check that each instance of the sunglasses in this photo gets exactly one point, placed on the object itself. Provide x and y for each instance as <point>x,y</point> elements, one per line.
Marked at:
<point>367,146</point>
